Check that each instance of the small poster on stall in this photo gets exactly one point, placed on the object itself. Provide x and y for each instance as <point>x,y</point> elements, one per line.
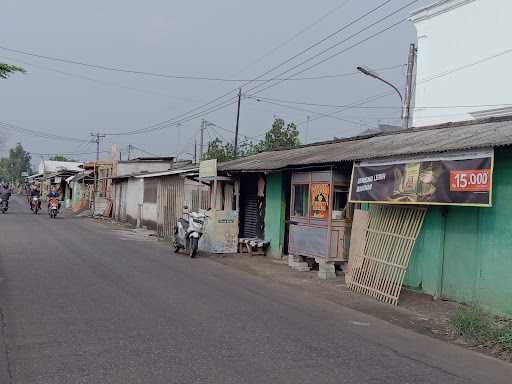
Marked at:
<point>320,200</point>
<point>448,179</point>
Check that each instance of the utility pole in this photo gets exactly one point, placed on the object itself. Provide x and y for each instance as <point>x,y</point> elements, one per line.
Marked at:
<point>178,147</point>
<point>195,151</point>
<point>237,121</point>
<point>408,87</point>
<point>98,136</point>
<point>129,151</point>
<point>308,120</point>
<point>203,127</point>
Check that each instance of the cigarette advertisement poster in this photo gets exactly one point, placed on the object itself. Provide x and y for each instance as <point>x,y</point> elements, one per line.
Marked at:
<point>320,200</point>
<point>451,179</point>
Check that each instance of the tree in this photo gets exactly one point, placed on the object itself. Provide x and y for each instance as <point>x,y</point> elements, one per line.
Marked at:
<point>59,158</point>
<point>8,69</point>
<point>219,150</point>
<point>279,137</point>
<point>11,168</point>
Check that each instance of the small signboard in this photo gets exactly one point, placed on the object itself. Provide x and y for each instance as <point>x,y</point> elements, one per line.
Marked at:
<point>449,179</point>
<point>208,168</point>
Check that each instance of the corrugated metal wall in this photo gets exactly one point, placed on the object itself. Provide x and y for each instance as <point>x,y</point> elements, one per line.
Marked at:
<point>170,200</point>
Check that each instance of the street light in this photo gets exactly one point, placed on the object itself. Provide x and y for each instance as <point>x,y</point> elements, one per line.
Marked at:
<point>369,72</point>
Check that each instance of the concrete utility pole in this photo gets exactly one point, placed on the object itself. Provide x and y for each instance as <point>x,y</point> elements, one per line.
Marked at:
<point>201,139</point>
<point>308,121</point>
<point>408,87</point>
<point>129,151</point>
<point>195,151</point>
<point>98,136</point>
<point>237,121</point>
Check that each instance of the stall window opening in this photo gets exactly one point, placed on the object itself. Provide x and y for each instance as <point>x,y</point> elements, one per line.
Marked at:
<point>340,202</point>
<point>300,200</point>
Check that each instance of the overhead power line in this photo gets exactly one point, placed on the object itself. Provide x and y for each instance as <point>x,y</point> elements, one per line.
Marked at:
<point>65,153</point>
<point>320,114</point>
<point>220,105</point>
<point>40,134</point>
<point>149,91</point>
<point>381,31</point>
<point>319,42</point>
<point>295,36</point>
<point>266,99</point>
<point>360,104</point>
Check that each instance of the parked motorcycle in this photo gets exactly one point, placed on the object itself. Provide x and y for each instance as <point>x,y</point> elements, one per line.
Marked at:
<point>35,204</point>
<point>3,205</point>
<point>188,232</point>
<point>53,208</point>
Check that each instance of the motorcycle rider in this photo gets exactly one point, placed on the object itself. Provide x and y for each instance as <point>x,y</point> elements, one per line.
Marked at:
<point>5,193</point>
<point>53,194</point>
<point>35,193</point>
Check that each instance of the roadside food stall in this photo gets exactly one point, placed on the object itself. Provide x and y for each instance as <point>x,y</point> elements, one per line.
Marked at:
<point>320,219</point>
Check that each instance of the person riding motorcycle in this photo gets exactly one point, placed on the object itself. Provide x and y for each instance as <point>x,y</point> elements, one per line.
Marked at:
<point>5,193</point>
<point>53,194</point>
<point>35,193</point>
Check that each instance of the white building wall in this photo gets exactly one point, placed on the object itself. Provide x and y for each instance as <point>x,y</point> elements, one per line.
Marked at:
<point>149,214</point>
<point>134,197</point>
<point>133,167</point>
<point>453,34</point>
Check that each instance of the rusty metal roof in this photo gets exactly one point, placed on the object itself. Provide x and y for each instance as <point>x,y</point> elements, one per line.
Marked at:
<point>489,132</point>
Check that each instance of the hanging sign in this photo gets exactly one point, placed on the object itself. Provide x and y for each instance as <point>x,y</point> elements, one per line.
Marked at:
<point>320,200</point>
<point>208,168</point>
<point>448,179</point>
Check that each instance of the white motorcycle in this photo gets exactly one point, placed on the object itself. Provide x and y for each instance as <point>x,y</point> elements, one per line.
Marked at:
<point>188,232</point>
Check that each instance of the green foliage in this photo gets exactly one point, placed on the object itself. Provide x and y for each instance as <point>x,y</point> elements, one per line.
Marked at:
<point>13,166</point>
<point>8,69</point>
<point>59,158</point>
<point>505,338</point>
<point>278,137</point>
<point>472,324</point>
<point>478,327</point>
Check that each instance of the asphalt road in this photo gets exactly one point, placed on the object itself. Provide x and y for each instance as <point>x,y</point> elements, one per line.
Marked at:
<point>83,303</point>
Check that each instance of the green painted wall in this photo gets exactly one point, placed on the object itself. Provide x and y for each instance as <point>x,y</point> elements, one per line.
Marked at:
<point>275,206</point>
<point>464,253</point>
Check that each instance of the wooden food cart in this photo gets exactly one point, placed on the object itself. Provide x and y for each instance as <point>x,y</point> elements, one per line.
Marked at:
<point>320,220</point>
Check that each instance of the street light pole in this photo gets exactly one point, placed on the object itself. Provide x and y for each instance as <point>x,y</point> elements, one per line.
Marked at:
<point>405,102</point>
<point>370,73</point>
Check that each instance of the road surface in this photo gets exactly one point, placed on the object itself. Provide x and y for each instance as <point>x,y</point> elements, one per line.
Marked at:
<point>83,303</point>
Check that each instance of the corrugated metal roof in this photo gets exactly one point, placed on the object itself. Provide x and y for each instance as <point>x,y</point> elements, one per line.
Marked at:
<point>482,133</point>
<point>166,173</point>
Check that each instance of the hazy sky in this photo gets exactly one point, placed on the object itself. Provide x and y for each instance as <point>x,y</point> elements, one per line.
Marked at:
<point>196,38</point>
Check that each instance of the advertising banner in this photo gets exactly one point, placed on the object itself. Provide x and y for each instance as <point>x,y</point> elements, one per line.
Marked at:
<point>448,179</point>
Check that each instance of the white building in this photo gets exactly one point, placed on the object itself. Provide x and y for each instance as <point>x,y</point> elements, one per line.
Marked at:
<point>52,166</point>
<point>464,59</point>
